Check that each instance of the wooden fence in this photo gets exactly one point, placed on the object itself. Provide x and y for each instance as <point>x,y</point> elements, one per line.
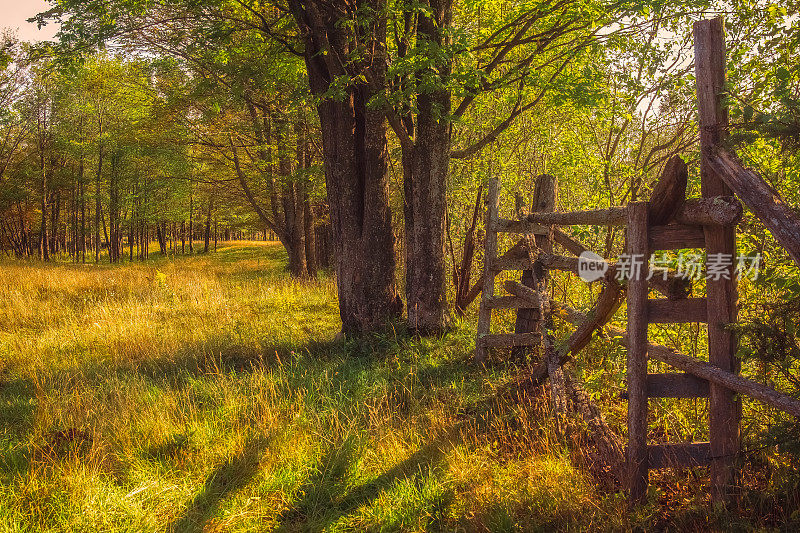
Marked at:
<point>668,221</point>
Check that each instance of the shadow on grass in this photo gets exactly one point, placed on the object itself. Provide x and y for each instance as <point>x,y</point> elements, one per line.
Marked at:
<point>324,497</point>
<point>226,479</point>
<point>17,411</point>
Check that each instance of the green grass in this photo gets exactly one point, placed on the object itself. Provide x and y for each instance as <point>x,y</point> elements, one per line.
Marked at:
<point>210,393</point>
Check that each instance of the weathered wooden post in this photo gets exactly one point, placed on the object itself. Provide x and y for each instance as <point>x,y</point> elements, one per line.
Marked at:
<point>724,409</point>
<point>489,259</point>
<point>545,194</point>
<point>544,201</point>
<point>637,251</point>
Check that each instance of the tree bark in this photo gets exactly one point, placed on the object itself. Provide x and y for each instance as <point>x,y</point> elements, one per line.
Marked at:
<point>309,229</point>
<point>97,201</point>
<point>356,159</point>
<point>293,207</point>
<point>44,253</point>
<point>191,219</point>
<point>162,239</point>
<point>426,166</point>
<point>545,196</point>
<point>207,235</point>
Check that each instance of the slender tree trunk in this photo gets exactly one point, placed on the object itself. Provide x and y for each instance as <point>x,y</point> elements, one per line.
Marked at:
<point>207,236</point>
<point>105,227</point>
<point>44,252</point>
<point>191,220</point>
<point>462,275</point>
<point>308,216</point>
<point>97,205</point>
<point>310,237</point>
<point>293,206</point>
<point>161,228</point>
<point>131,236</point>
<point>55,207</point>
<point>113,211</point>
<point>23,231</point>
<point>83,215</point>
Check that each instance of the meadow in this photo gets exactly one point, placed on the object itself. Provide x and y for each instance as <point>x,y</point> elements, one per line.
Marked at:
<point>212,393</point>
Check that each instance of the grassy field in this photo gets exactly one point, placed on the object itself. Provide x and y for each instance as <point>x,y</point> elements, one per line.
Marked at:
<point>210,393</point>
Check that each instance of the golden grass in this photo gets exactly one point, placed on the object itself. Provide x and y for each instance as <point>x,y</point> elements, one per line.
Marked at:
<point>208,393</point>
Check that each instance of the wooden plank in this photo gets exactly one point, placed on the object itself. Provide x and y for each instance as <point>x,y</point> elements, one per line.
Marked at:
<point>512,263</point>
<point>520,226</point>
<point>489,256</point>
<point>549,261</point>
<point>690,212</point>
<point>568,243</point>
<point>675,237</point>
<point>679,455</point>
<point>677,311</point>
<point>676,385</point>
<point>761,198</point>
<point>716,210</point>
<point>501,340</point>
<point>669,192</point>
<point>637,356</point>
<point>523,292</point>
<point>510,302</point>
<point>724,409</point>
<point>611,216</point>
<point>701,369</point>
<point>545,194</point>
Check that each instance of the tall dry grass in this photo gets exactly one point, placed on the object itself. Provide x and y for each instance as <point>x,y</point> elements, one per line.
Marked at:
<point>209,393</point>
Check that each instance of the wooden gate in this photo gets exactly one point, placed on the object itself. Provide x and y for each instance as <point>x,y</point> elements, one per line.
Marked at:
<point>668,221</point>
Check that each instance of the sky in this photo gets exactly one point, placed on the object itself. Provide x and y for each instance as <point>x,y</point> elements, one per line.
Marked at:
<point>14,15</point>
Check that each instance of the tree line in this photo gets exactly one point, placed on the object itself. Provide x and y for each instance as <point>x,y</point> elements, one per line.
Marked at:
<point>362,131</point>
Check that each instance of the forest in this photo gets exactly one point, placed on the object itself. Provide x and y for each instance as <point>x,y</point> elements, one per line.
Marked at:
<point>261,262</point>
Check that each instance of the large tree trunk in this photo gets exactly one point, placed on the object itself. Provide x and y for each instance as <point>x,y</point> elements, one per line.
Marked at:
<point>425,178</point>
<point>426,165</point>
<point>356,161</point>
